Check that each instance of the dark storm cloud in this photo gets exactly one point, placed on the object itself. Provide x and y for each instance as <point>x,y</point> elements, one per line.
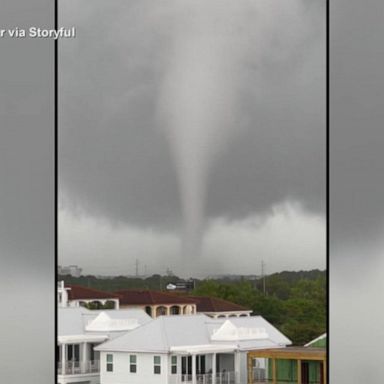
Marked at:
<point>114,157</point>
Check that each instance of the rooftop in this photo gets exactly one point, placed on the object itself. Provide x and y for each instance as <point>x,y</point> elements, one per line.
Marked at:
<point>301,353</point>
<point>77,292</point>
<point>140,297</point>
<point>81,321</point>
<point>171,333</point>
<point>213,304</point>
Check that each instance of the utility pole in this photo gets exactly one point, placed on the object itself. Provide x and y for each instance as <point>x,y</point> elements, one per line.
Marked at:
<point>137,267</point>
<point>263,275</point>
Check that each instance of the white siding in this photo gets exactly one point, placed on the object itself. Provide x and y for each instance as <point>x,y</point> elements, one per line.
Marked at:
<point>144,374</point>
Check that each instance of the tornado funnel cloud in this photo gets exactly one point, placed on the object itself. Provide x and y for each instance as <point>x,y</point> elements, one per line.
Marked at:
<point>198,101</point>
<point>195,105</point>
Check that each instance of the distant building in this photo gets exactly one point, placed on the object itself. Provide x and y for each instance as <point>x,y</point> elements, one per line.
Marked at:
<point>72,270</point>
<point>154,303</point>
<point>181,286</point>
<point>78,296</point>
<point>157,303</point>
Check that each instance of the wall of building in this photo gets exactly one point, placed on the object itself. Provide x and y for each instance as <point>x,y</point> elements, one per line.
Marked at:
<point>145,369</point>
<point>164,309</point>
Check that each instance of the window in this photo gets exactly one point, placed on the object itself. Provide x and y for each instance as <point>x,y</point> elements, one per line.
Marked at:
<point>174,365</point>
<point>157,365</point>
<point>160,311</point>
<point>175,310</point>
<point>109,363</point>
<point>132,363</point>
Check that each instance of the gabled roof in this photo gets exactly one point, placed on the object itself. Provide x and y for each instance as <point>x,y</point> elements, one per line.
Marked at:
<point>118,320</point>
<point>77,292</point>
<point>229,331</point>
<point>161,334</point>
<point>320,341</point>
<point>169,333</point>
<point>139,297</point>
<point>249,330</point>
<point>82,321</point>
<point>214,304</point>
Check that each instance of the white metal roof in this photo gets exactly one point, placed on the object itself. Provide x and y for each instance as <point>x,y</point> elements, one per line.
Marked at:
<point>74,322</point>
<point>168,333</point>
<point>261,328</point>
<point>118,321</point>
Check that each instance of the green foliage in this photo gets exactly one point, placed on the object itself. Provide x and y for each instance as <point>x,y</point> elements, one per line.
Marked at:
<point>295,302</point>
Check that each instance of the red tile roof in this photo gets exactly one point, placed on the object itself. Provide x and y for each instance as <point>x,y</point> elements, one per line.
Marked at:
<point>213,304</point>
<point>136,297</point>
<point>78,292</point>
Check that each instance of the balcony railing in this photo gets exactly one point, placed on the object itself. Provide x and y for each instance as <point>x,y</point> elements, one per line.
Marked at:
<point>263,380</point>
<point>280,381</point>
<point>207,378</point>
<point>79,367</point>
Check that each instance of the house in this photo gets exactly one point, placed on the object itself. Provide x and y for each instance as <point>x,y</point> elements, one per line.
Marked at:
<point>80,330</point>
<point>293,365</point>
<point>157,303</point>
<point>217,308</point>
<point>78,296</point>
<point>72,270</point>
<point>296,365</point>
<point>186,349</point>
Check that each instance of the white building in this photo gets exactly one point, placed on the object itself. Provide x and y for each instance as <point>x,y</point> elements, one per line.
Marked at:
<point>80,330</point>
<point>186,349</point>
<point>72,270</point>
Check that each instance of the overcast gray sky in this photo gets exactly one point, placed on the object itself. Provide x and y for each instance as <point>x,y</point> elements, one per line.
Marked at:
<point>263,162</point>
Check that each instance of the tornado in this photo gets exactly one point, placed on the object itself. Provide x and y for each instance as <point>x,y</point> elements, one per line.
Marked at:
<point>213,44</point>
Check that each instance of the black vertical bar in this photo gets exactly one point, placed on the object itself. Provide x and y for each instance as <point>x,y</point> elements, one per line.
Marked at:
<point>327,184</point>
<point>56,184</point>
